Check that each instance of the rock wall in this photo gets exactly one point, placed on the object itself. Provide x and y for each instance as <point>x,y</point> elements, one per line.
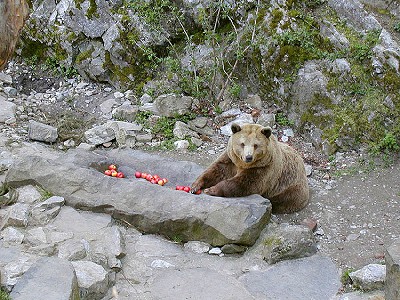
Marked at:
<point>332,66</point>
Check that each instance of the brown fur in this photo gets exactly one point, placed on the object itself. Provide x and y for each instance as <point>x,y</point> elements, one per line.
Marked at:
<point>255,162</point>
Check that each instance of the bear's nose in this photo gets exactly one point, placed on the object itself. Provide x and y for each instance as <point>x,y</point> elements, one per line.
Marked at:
<point>249,158</point>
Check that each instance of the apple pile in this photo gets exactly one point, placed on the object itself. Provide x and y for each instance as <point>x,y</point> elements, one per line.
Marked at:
<point>186,189</point>
<point>113,172</point>
<point>154,179</point>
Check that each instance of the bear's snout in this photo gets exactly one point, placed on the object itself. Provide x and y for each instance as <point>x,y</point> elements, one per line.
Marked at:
<point>248,158</point>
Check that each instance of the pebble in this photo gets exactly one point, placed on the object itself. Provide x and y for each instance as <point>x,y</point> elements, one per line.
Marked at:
<point>215,251</point>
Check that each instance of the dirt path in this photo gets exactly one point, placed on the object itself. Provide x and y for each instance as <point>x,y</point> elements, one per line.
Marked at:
<point>357,218</point>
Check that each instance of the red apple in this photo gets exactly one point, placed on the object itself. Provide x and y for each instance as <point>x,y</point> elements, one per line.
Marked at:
<point>161,182</point>
<point>165,180</point>
<point>154,181</point>
<point>156,176</point>
<point>186,189</point>
<point>144,175</point>
<point>114,173</point>
<point>138,174</point>
<point>112,167</point>
<point>198,192</point>
<point>179,188</point>
<point>108,172</point>
<point>149,177</point>
<point>120,175</point>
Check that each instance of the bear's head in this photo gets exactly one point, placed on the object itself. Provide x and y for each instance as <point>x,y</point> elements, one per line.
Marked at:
<point>248,144</point>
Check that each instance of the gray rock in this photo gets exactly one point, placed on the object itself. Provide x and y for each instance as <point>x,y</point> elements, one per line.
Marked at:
<point>11,235</point>
<point>125,112</point>
<point>92,279</point>
<point>181,145</point>
<point>182,130</point>
<point>254,101</point>
<point>35,236</point>
<point>328,30</point>
<point>157,209</point>
<point>215,251</point>
<point>15,268</point>
<point>10,91</point>
<point>17,216</point>
<point>44,212</point>
<point>392,259</point>
<point>197,247</point>
<point>376,295</point>
<point>107,248</point>
<point>170,105</point>
<point>28,194</point>
<point>314,277</point>
<point>53,277</point>
<point>284,241</point>
<point>5,78</point>
<point>161,264</point>
<point>266,120</point>
<point>370,277</point>
<point>198,283</point>
<point>353,11</point>
<point>72,250</point>
<point>7,110</point>
<point>99,135</point>
<point>42,132</point>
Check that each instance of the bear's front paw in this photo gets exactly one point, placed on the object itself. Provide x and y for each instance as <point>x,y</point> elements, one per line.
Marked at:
<point>196,186</point>
<point>212,191</point>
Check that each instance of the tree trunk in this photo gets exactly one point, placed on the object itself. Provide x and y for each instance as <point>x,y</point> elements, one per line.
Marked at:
<point>13,14</point>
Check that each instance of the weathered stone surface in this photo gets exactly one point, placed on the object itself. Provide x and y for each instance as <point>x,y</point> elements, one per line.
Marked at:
<point>41,281</point>
<point>154,209</point>
<point>198,283</point>
<point>392,284</point>
<point>197,247</point>
<point>376,295</point>
<point>370,277</point>
<point>28,194</point>
<point>42,132</point>
<point>72,250</point>
<point>170,105</point>
<point>354,13</point>
<point>12,235</point>
<point>7,110</point>
<point>99,135</point>
<point>284,241</point>
<point>45,211</point>
<point>17,216</point>
<point>314,277</point>
<point>92,279</point>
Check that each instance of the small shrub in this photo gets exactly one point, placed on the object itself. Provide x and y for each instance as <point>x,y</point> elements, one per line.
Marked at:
<point>4,295</point>
<point>387,144</point>
<point>281,119</point>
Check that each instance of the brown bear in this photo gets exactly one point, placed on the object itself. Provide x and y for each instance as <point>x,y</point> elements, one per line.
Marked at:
<point>255,162</point>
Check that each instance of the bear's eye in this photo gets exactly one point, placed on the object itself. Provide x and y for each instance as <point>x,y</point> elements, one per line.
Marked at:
<point>255,146</point>
<point>242,145</point>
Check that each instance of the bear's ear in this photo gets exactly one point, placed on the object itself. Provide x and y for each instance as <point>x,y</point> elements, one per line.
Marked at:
<point>267,131</point>
<point>235,128</point>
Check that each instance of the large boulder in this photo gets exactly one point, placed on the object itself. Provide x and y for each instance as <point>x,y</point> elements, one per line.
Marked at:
<point>50,276</point>
<point>150,208</point>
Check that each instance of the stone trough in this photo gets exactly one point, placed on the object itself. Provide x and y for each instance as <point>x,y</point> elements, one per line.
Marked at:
<point>77,175</point>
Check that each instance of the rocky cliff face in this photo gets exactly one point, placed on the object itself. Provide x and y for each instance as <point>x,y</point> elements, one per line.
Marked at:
<point>331,66</point>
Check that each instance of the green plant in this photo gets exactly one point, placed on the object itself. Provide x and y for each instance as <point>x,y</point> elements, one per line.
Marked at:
<point>281,119</point>
<point>44,194</point>
<point>397,27</point>
<point>4,295</point>
<point>387,144</point>
<point>345,279</point>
